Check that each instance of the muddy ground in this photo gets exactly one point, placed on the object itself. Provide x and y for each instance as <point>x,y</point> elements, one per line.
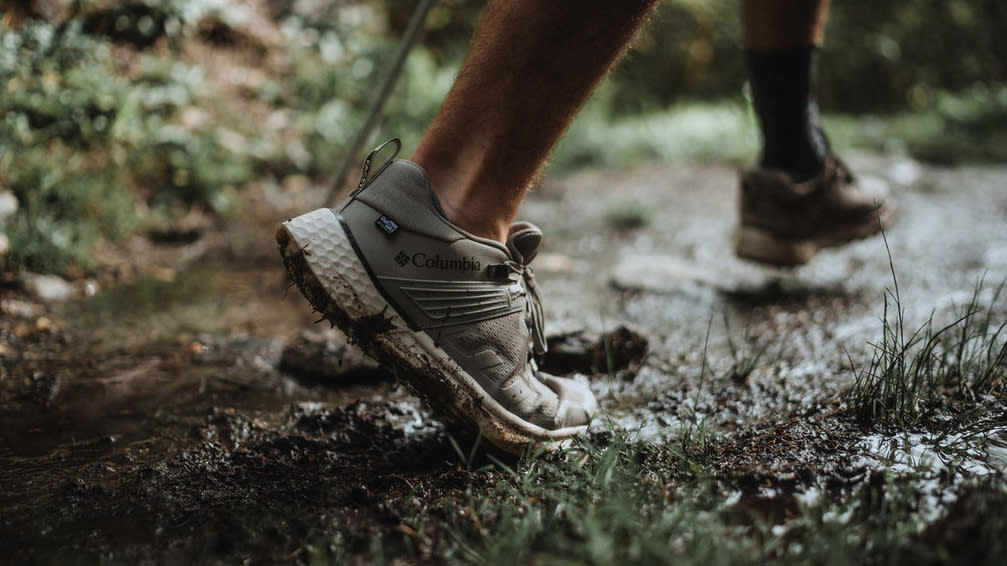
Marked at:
<point>184,407</point>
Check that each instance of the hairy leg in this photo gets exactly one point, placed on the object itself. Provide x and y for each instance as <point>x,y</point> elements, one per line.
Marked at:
<point>781,39</point>
<point>769,25</point>
<point>530,67</point>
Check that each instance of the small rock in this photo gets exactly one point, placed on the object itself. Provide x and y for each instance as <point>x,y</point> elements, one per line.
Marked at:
<point>46,387</point>
<point>48,287</point>
<point>4,245</point>
<point>317,356</point>
<point>20,309</point>
<point>555,262</point>
<point>23,329</point>
<point>201,354</point>
<point>44,324</point>
<point>162,274</point>
<point>904,172</point>
<point>194,118</point>
<point>91,288</point>
<point>8,204</point>
<point>232,141</point>
<point>662,273</point>
<point>586,352</point>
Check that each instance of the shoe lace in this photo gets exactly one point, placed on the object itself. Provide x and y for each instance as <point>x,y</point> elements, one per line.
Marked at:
<point>534,314</point>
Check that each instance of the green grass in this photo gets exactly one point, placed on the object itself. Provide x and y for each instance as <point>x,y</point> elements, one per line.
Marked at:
<point>598,503</point>
<point>628,215</point>
<point>968,126</point>
<point>745,356</point>
<point>611,500</point>
<point>722,131</point>
<point>948,376</point>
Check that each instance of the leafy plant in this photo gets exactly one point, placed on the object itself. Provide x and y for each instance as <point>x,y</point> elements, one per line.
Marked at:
<point>79,143</point>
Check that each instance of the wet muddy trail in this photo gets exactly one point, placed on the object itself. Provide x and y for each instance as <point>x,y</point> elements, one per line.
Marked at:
<point>196,414</point>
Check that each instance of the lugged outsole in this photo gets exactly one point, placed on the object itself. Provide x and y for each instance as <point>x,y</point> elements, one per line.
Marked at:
<point>320,259</point>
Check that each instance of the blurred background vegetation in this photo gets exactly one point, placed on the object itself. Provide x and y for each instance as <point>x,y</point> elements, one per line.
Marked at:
<point>128,117</point>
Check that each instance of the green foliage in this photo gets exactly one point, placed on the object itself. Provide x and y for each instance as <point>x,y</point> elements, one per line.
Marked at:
<point>336,70</point>
<point>964,126</point>
<point>689,49</point>
<point>61,213</point>
<point>59,95</point>
<point>57,86</point>
<point>683,133</point>
<point>113,119</point>
<point>907,53</point>
<point>142,22</point>
<point>79,142</point>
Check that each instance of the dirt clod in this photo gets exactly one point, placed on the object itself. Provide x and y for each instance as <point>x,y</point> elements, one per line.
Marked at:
<point>324,357</point>
<point>619,352</point>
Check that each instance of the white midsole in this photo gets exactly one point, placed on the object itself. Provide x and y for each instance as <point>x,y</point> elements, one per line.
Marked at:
<point>341,273</point>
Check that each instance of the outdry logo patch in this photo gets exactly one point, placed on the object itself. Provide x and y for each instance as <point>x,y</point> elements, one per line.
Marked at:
<point>387,224</point>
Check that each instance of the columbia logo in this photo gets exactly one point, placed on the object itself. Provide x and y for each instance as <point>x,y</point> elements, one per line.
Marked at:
<point>402,258</point>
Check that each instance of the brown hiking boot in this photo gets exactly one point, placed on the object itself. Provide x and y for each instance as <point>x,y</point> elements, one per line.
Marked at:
<point>785,223</point>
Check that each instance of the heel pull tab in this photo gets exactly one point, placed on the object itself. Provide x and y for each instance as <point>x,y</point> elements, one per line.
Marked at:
<point>365,175</point>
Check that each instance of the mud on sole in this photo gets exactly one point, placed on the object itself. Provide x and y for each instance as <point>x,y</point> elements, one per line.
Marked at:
<point>320,259</point>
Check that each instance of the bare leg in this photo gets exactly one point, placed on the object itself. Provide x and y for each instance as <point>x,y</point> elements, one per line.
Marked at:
<point>783,24</point>
<point>781,39</point>
<point>531,65</point>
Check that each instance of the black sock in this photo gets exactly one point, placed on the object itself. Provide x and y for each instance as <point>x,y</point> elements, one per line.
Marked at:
<point>788,116</point>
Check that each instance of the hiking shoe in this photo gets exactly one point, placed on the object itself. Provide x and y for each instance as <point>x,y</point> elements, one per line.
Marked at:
<point>457,317</point>
<point>784,223</point>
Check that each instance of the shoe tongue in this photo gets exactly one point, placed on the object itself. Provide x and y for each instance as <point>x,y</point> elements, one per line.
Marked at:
<point>523,241</point>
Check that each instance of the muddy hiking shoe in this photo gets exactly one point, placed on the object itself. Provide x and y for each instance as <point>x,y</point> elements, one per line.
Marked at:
<point>784,223</point>
<point>457,317</point>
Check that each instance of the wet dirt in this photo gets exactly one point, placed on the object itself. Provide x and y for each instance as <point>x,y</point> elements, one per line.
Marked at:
<point>196,413</point>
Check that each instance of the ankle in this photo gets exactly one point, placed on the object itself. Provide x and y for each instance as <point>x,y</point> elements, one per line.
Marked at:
<point>467,202</point>
<point>473,218</point>
<point>798,168</point>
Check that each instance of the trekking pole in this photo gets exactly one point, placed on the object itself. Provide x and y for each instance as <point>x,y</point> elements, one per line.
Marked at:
<point>416,24</point>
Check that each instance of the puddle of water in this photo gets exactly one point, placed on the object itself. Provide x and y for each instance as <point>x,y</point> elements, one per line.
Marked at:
<point>143,364</point>
<point>252,299</point>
